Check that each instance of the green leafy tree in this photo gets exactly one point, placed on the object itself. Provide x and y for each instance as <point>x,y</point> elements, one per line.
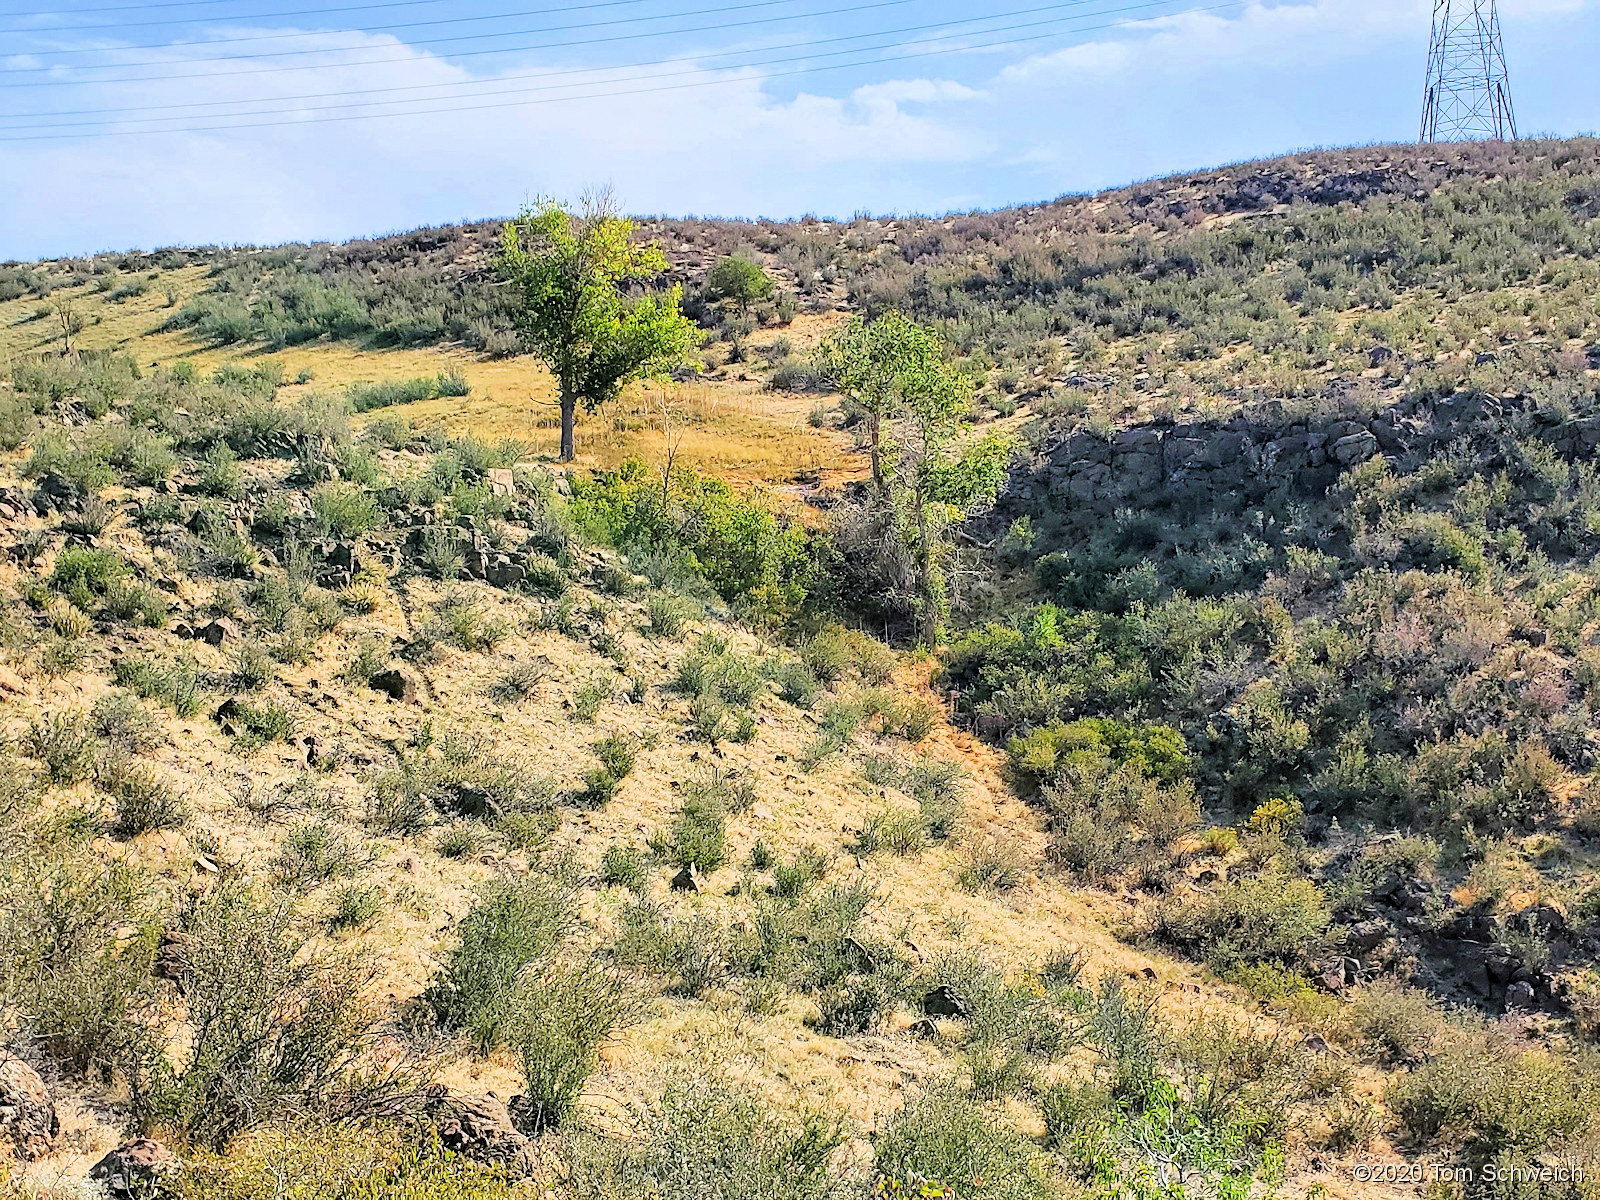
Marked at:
<point>569,272</point>
<point>922,468</point>
<point>738,281</point>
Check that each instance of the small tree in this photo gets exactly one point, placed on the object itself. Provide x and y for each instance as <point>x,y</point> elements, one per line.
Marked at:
<point>569,272</point>
<point>895,369</point>
<point>738,281</point>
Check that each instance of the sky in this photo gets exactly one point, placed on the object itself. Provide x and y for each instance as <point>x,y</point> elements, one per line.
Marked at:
<point>186,122</point>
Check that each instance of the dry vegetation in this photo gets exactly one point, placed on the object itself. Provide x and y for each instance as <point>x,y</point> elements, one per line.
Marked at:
<point>386,814</point>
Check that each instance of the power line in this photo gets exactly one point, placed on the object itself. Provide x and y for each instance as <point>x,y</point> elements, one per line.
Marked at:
<point>1231,4</point>
<point>556,87</point>
<point>628,37</point>
<point>301,12</point>
<point>502,79</point>
<point>301,33</point>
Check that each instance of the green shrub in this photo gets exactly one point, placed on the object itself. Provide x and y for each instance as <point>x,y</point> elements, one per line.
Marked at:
<point>1041,757</point>
<point>266,1028</point>
<point>84,575</point>
<point>698,838</point>
<point>1271,918</point>
<point>898,832</point>
<point>118,720</point>
<point>176,684</point>
<point>464,622</point>
<point>513,925</point>
<point>796,684</point>
<point>343,510</point>
<point>1494,1097</point>
<point>622,866</point>
<point>222,476</point>
<point>670,613</point>
<point>77,940</point>
<point>707,1140</point>
<point>145,803</point>
<point>314,852</point>
<point>836,653</point>
<point>65,744</point>
<point>355,906</point>
<point>949,1138</point>
<point>561,1017</point>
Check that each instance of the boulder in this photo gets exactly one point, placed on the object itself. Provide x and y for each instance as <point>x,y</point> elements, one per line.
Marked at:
<point>478,1127</point>
<point>1367,935</point>
<point>216,632</point>
<point>396,684</point>
<point>689,880</point>
<point>501,481</point>
<point>135,1170</point>
<point>1520,997</point>
<point>945,1001</point>
<point>27,1111</point>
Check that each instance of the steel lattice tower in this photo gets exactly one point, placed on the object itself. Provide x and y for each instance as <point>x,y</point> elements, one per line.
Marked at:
<point>1468,97</point>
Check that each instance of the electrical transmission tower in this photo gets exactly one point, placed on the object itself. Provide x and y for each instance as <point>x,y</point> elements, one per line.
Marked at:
<point>1468,97</point>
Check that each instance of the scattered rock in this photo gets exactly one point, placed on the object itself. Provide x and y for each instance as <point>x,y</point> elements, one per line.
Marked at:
<point>478,1127</point>
<point>1366,936</point>
<point>216,632</point>
<point>689,880</point>
<point>396,684</point>
<point>945,1001</point>
<point>501,481</point>
<point>925,1027</point>
<point>1520,997</point>
<point>27,1112</point>
<point>135,1170</point>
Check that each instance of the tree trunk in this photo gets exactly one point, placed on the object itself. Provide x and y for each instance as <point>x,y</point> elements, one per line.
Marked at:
<point>930,602</point>
<point>874,435</point>
<point>569,409</point>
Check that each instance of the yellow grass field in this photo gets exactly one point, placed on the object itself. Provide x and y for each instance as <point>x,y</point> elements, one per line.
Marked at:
<point>726,423</point>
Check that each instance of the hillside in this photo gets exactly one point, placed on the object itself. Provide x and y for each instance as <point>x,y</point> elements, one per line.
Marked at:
<point>367,771</point>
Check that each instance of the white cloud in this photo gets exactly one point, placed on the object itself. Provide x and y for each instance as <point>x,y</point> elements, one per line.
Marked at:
<point>1145,98</point>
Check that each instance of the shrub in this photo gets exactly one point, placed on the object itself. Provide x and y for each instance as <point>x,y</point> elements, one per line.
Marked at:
<point>698,838</point>
<point>67,953</point>
<point>313,853</point>
<point>253,666</point>
<point>622,866</point>
<point>1041,757</point>
<point>513,924</point>
<point>343,510</point>
<point>222,476</point>
<point>118,720</point>
<point>175,684</point>
<point>85,575</point>
<point>1271,918</point>
<point>1494,1096</point>
<point>898,832</point>
<point>463,622</point>
<point>836,653</point>
<point>670,613</point>
<point>137,603</point>
<point>797,684</point>
<point>268,1028</point>
<point>145,803</point>
<point>561,1017</point>
<point>708,1140</point>
<point>356,906</point>
<point>949,1138</point>
<point>64,743</point>
<point>519,682</point>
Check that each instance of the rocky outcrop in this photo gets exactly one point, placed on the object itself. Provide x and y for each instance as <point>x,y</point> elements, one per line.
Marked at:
<point>28,1119</point>
<point>478,1127</point>
<point>136,1170</point>
<point>1081,476</point>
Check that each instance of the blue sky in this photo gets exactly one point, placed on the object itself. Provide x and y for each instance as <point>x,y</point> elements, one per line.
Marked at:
<point>197,121</point>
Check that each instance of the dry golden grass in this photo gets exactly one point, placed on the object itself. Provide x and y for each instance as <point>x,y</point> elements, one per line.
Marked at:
<point>728,424</point>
